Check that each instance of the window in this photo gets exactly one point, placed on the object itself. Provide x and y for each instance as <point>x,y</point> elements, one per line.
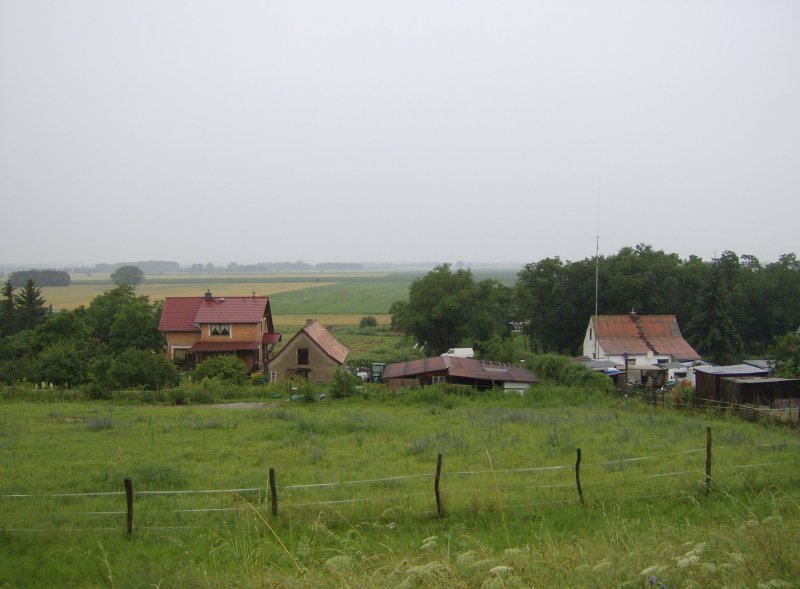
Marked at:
<point>273,376</point>
<point>219,329</point>
<point>631,361</point>
<point>662,360</point>
<point>438,379</point>
<point>302,356</point>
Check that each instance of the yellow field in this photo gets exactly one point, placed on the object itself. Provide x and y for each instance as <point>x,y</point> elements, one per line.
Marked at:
<point>71,297</point>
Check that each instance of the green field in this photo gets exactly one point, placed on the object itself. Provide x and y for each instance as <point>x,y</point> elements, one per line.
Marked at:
<point>356,494</point>
<point>350,295</point>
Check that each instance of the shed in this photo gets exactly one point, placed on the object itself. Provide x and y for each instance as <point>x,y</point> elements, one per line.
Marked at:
<point>451,369</point>
<point>762,391</point>
<point>708,379</point>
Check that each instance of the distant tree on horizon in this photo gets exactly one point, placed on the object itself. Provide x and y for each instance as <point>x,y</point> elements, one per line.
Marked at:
<point>127,275</point>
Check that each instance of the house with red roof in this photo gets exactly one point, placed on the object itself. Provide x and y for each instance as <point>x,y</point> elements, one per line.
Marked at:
<point>312,354</point>
<point>640,344</point>
<point>198,327</point>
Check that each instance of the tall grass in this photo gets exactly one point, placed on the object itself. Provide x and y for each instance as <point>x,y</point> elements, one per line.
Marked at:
<point>373,522</point>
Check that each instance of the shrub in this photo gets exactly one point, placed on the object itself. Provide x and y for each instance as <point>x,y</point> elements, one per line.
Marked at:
<point>227,368</point>
<point>368,321</point>
<point>141,369</point>
<point>343,384</point>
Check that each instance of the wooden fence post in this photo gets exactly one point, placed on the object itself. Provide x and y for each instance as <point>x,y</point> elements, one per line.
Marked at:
<point>439,508</point>
<point>273,492</point>
<point>578,475</point>
<point>708,459</point>
<point>129,498</point>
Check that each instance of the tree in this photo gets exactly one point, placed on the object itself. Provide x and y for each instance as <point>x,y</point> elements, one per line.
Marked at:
<point>30,309</point>
<point>62,364</point>
<point>121,320</point>
<point>785,355</point>
<point>438,309</point>
<point>225,367</point>
<point>712,329</point>
<point>542,302</point>
<point>127,275</point>
<point>65,327</point>
<point>7,307</point>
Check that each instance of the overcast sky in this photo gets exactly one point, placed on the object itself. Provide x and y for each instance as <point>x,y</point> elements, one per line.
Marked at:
<point>400,131</point>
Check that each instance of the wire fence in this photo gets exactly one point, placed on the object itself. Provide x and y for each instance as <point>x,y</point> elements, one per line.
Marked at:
<point>435,493</point>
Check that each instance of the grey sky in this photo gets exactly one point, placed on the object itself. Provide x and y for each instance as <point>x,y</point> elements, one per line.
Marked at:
<point>396,131</point>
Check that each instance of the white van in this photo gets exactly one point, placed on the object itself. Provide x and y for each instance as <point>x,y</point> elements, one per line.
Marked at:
<point>460,352</point>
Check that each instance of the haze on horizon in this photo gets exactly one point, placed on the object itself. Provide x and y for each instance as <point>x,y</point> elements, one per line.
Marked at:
<point>396,132</point>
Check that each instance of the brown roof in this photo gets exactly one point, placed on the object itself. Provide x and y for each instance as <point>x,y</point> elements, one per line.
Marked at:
<point>638,334</point>
<point>468,368</point>
<point>326,342</point>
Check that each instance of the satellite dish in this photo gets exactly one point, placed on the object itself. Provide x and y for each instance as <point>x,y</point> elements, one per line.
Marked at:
<point>649,354</point>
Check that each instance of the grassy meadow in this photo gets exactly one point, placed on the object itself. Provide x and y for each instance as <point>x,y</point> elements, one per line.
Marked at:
<point>356,497</point>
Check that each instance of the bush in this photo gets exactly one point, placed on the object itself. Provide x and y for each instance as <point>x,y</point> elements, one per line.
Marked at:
<point>141,369</point>
<point>343,384</point>
<point>563,371</point>
<point>368,321</point>
<point>226,368</point>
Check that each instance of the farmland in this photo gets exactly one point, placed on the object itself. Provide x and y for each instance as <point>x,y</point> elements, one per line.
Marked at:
<point>357,507</point>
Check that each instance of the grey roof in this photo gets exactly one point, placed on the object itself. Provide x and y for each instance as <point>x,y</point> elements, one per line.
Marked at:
<point>734,370</point>
<point>763,364</point>
<point>759,379</point>
<point>596,364</point>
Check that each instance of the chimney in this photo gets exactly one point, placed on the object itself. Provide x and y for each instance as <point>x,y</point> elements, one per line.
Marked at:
<point>208,295</point>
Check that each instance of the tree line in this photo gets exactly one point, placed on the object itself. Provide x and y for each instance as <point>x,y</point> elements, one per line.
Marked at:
<point>114,342</point>
<point>730,307</point>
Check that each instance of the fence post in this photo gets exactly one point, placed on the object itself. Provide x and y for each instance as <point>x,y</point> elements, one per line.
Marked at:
<point>439,508</point>
<point>273,491</point>
<point>708,459</point>
<point>578,475</point>
<point>129,498</point>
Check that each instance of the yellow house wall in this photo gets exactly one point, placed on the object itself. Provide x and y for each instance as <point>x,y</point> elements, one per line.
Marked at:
<point>320,366</point>
<point>240,332</point>
<point>180,339</point>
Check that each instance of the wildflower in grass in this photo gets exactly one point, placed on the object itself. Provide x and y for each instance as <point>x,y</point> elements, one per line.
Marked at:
<point>429,543</point>
<point>466,558</point>
<point>339,563</point>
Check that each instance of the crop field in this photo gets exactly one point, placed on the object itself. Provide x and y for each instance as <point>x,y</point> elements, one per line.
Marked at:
<point>356,500</point>
<point>348,296</point>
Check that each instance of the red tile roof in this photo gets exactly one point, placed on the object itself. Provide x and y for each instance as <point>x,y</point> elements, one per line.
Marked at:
<point>271,337</point>
<point>179,314</point>
<point>185,313</point>
<point>232,310</point>
<point>620,334</point>
<point>326,342</point>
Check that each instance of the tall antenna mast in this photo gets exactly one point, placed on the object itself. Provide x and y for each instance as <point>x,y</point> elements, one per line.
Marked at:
<point>597,269</point>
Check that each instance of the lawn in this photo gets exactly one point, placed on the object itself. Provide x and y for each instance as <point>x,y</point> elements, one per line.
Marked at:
<point>356,496</point>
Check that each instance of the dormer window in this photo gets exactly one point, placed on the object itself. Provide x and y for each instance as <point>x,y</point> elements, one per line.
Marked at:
<point>219,329</point>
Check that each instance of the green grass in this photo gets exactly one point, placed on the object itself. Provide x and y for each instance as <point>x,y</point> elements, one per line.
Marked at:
<point>645,511</point>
